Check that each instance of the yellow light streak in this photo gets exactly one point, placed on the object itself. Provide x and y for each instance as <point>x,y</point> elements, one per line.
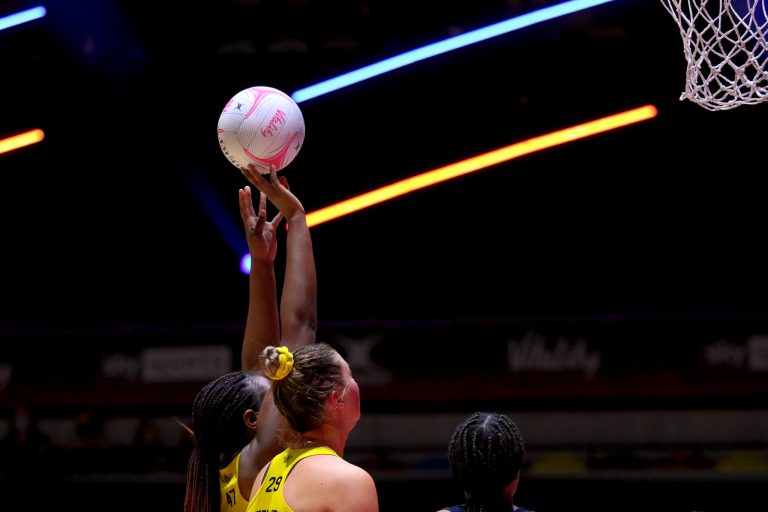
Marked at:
<point>21,140</point>
<point>480,162</point>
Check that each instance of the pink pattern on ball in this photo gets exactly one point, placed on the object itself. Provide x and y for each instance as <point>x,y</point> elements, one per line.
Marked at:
<point>279,159</point>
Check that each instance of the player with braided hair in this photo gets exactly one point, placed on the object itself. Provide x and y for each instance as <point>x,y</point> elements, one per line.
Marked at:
<point>234,421</point>
<point>486,454</point>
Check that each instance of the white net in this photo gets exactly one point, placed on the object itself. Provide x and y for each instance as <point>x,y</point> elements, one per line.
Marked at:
<point>725,49</point>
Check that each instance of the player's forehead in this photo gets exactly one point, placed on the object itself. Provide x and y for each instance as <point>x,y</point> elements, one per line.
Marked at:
<point>346,371</point>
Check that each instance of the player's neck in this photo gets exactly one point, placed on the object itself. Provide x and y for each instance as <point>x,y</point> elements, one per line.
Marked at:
<point>324,437</point>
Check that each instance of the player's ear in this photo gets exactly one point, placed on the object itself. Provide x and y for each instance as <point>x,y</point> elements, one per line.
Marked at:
<point>249,417</point>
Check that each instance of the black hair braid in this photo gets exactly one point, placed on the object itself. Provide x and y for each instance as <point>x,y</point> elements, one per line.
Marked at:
<point>217,414</point>
<point>486,453</point>
<point>219,433</point>
<point>202,489</point>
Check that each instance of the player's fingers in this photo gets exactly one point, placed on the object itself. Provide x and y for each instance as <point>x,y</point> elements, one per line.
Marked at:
<point>254,176</point>
<point>262,201</point>
<point>273,174</point>
<point>246,205</point>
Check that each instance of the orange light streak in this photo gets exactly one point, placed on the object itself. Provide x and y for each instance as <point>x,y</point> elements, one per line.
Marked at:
<point>21,140</point>
<point>480,162</point>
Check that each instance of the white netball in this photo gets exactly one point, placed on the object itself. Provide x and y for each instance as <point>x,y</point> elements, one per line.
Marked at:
<point>262,126</point>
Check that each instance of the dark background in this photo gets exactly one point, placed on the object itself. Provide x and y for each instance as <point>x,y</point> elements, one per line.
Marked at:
<point>102,221</point>
<point>121,229</point>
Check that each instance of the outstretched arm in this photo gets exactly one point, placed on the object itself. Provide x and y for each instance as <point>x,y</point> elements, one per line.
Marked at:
<point>298,305</point>
<point>262,326</point>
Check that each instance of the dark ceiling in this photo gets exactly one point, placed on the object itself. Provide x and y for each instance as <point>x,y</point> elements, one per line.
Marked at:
<point>123,213</point>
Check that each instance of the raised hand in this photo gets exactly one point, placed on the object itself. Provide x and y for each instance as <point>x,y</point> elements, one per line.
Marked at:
<point>276,189</point>
<point>259,233</point>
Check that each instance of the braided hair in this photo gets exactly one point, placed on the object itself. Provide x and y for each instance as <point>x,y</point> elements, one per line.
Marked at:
<point>219,434</point>
<point>486,454</point>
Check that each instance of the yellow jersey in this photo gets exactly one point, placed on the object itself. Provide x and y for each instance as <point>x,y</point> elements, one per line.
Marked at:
<point>269,497</point>
<point>231,499</point>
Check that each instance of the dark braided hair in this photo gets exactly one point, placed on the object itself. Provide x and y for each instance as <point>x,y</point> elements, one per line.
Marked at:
<point>486,453</point>
<point>219,433</point>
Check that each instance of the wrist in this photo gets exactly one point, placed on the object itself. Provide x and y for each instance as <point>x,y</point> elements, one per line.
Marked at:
<point>261,262</point>
<point>296,217</point>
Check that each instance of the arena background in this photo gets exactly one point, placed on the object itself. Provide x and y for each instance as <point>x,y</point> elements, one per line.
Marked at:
<point>608,293</point>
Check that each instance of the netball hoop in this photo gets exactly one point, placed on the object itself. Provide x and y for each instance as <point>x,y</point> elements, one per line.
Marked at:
<point>726,51</point>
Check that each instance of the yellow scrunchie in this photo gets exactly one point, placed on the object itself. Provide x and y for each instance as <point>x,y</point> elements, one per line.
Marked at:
<point>286,364</point>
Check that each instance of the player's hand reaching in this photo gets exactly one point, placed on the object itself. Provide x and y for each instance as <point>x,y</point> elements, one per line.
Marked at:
<point>277,190</point>
<point>259,232</point>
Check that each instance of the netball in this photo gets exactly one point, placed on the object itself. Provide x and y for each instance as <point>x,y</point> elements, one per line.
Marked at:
<point>263,126</point>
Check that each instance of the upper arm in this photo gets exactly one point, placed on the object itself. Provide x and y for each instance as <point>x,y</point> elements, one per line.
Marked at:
<point>359,491</point>
<point>262,325</point>
<point>298,303</point>
<point>266,443</point>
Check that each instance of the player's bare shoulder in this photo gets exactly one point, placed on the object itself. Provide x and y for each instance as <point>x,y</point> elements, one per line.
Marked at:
<point>351,487</point>
<point>357,488</point>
